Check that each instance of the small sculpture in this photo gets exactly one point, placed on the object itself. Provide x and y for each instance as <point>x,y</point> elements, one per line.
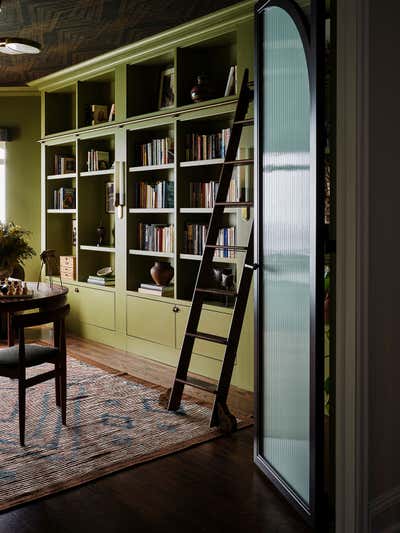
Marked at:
<point>101,233</point>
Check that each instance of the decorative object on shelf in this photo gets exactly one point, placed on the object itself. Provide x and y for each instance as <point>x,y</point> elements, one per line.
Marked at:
<point>74,230</point>
<point>110,198</point>
<point>201,91</point>
<point>156,290</point>
<point>231,84</point>
<point>14,288</point>
<point>162,272</point>
<point>68,267</point>
<point>105,271</point>
<point>14,248</point>
<point>167,82</point>
<point>49,261</point>
<point>111,116</point>
<point>98,113</point>
<point>101,233</point>
<point>223,278</point>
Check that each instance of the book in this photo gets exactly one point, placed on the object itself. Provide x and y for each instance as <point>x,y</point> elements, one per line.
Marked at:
<point>155,292</point>
<point>99,113</point>
<point>158,288</point>
<point>67,198</point>
<point>97,280</point>
<point>97,160</point>
<point>230,84</point>
<point>111,116</point>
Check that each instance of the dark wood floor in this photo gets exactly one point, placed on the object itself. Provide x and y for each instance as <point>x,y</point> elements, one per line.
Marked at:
<point>210,488</point>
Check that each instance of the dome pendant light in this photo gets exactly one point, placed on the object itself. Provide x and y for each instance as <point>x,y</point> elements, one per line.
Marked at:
<point>17,45</point>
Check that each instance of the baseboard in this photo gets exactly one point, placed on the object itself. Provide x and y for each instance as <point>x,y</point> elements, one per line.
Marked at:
<point>384,512</point>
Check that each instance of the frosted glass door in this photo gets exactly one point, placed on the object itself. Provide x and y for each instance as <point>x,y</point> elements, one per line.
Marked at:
<point>285,285</point>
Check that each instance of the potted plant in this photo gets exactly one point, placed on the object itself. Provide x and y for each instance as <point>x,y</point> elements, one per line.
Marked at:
<point>14,249</point>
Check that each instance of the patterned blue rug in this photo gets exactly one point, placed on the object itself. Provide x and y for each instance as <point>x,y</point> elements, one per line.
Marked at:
<point>112,423</point>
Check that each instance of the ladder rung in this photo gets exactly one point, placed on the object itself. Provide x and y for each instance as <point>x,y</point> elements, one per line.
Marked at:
<point>221,292</point>
<point>234,204</point>
<point>226,247</point>
<point>208,337</point>
<point>246,122</point>
<point>199,384</point>
<point>239,162</point>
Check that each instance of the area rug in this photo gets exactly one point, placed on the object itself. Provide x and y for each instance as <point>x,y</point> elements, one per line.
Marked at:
<point>112,423</point>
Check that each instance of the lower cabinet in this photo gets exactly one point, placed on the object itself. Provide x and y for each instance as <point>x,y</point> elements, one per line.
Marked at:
<point>95,307</point>
<point>151,320</point>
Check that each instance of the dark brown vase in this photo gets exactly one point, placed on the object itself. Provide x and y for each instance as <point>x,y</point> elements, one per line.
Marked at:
<point>201,91</point>
<point>162,272</point>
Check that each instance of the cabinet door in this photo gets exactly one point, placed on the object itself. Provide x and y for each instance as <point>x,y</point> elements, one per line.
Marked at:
<point>92,306</point>
<point>210,322</point>
<point>151,320</point>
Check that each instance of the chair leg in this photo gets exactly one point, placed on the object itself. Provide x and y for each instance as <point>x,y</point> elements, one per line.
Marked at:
<point>63,388</point>
<point>58,382</point>
<point>21,405</point>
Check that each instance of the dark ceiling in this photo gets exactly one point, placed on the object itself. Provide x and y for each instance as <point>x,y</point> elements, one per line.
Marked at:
<point>73,31</point>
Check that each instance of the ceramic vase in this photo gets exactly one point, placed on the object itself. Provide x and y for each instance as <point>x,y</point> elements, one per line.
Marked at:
<point>162,272</point>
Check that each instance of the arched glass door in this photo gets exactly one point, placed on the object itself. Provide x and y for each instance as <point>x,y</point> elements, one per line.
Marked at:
<point>286,284</point>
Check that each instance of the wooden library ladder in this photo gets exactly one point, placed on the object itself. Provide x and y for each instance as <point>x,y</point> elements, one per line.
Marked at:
<point>172,398</point>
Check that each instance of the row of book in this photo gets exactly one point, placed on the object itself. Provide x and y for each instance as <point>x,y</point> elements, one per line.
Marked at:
<point>194,239</point>
<point>156,290</point>
<point>64,164</point>
<point>106,281</point>
<point>156,152</point>
<point>203,194</point>
<point>156,237</point>
<point>153,195</point>
<point>97,160</point>
<point>207,146</point>
<point>64,198</point>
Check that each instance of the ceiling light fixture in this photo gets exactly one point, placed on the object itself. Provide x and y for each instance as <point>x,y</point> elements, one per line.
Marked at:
<point>18,46</point>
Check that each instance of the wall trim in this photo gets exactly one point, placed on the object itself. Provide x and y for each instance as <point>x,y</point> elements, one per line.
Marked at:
<point>18,91</point>
<point>352,267</point>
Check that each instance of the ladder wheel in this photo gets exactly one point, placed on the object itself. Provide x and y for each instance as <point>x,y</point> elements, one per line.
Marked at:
<point>163,400</point>
<point>226,420</point>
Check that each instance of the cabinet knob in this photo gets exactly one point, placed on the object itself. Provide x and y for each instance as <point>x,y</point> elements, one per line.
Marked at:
<point>76,289</point>
<point>175,309</point>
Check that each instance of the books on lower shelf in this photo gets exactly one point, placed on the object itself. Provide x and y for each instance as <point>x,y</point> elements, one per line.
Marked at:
<point>98,160</point>
<point>107,281</point>
<point>156,290</point>
<point>157,195</point>
<point>64,164</point>
<point>156,152</point>
<point>207,146</point>
<point>203,194</point>
<point>194,239</point>
<point>156,237</point>
<point>64,198</point>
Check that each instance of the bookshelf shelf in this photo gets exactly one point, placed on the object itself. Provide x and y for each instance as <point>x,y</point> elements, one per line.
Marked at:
<point>69,175</point>
<point>151,253</point>
<point>95,248</point>
<point>106,172</point>
<point>61,211</point>
<point>145,210</point>
<point>204,210</point>
<point>201,163</point>
<point>149,168</point>
<point>192,257</point>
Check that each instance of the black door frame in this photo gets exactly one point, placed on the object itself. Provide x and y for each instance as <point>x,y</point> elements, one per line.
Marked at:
<point>313,37</point>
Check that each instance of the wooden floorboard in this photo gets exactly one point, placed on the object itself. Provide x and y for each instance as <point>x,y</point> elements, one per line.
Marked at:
<point>211,488</point>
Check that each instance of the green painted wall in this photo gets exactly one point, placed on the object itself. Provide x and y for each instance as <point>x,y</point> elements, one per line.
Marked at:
<point>22,115</point>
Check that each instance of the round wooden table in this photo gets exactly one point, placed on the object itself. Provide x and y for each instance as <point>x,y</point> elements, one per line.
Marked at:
<point>44,297</point>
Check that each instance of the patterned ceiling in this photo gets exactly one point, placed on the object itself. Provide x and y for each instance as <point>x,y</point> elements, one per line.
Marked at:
<point>71,31</point>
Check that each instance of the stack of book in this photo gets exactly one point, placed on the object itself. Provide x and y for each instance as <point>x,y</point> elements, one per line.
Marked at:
<point>203,194</point>
<point>104,281</point>
<point>156,237</point>
<point>156,290</point>
<point>202,146</point>
<point>194,238</point>
<point>157,195</point>
<point>64,198</point>
<point>97,160</point>
<point>64,164</point>
<point>156,152</point>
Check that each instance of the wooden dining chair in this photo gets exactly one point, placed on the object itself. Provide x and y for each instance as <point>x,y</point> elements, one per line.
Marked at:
<point>15,360</point>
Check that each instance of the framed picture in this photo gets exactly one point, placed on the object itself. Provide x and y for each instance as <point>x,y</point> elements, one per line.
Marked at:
<point>110,201</point>
<point>167,96</point>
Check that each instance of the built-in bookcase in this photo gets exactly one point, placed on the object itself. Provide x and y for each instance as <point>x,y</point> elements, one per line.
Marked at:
<point>157,182</point>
